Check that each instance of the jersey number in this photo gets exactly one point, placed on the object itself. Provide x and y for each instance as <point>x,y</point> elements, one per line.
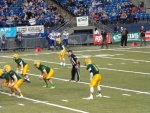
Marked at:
<point>95,67</point>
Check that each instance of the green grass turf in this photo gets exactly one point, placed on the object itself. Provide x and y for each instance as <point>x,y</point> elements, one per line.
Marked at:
<point>74,92</point>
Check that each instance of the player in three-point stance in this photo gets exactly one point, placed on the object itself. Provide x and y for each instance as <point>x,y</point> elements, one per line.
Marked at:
<point>22,67</point>
<point>46,74</point>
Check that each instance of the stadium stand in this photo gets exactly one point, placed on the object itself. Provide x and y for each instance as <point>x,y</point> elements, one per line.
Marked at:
<point>106,11</point>
<point>18,12</point>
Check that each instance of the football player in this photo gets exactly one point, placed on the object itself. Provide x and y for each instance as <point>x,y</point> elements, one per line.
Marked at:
<point>95,78</point>
<point>5,78</point>
<point>22,67</point>
<point>62,52</point>
<point>57,37</point>
<point>15,81</point>
<point>52,39</point>
<point>65,38</point>
<point>46,73</point>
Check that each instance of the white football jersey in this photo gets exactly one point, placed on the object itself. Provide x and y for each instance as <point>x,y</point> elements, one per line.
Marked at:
<point>65,35</point>
<point>52,36</point>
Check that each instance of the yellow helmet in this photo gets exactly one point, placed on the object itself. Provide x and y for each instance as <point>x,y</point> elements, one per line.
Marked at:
<point>7,68</point>
<point>88,61</point>
<point>58,41</point>
<point>37,64</point>
<point>1,72</point>
<point>16,56</point>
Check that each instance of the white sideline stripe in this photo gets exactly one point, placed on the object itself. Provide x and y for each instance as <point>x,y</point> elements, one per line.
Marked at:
<point>106,96</point>
<point>20,104</point>
<point>126,59</point>
<point>143,73</point>
<point>2,62</point>
<point>122,89</point>
<point>0,106</point>
<point>126,95</point>
<point>47,103</point>
<point>65,100</point>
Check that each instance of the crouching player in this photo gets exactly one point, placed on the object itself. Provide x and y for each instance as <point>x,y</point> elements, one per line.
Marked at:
<point>62,52</point>
<point>5,78</point>
<point>22,67</point>
<point>95,78</point>
<point>15,81</point>
<point>46,73</point>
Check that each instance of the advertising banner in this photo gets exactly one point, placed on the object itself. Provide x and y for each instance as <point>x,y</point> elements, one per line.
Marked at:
<point>82,21</point>
<point>98,38</point>
<point>31,29</point>
<point>9,32</point>
<point>147,36</point>
<point>132,37</point>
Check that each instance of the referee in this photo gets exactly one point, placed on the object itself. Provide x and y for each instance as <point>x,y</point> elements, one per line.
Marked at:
<point>75,66</point>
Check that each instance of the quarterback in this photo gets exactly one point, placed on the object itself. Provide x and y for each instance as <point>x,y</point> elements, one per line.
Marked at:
<point>15,81</point>
<point>22,67</point>
<point>95,78</point>
<point>46,73</point>
<point>62,52</point>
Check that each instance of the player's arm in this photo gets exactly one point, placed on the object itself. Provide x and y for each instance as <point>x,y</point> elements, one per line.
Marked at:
<point>91,73</point>
<point>44,73</point>
<point>21,65</point>
<point>2,81</point>
<point>11,84</point>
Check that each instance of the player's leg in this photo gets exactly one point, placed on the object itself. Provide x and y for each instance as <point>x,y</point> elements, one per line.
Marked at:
<point>98,79</point>
<point>24,73</point>
<point>63,57</point>
<point>46,84</point>
<point>48,77</point>
<point>73,72</point>
<point>17,85</point>
<point>78,73</point>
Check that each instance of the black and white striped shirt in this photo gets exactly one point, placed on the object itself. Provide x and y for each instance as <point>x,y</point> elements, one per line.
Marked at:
<point>73,59</point>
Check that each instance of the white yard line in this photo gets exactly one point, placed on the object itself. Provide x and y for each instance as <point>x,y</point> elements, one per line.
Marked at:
<point>125,71</point>
<point>122,89</point>
<point>50,104</point>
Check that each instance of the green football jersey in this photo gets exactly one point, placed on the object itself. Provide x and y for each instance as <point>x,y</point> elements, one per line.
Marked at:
<point>5,76</point>
<point>20,60</point>
<point>61,46</point>
<point>93,68</point>
<point>44,68</point>
<point>11,73</point>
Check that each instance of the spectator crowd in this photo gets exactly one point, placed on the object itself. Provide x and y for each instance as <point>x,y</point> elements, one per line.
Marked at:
<point>18,12</point>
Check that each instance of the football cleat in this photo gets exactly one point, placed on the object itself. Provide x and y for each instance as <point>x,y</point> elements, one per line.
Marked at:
<point>61,63</point>
<point>52,87</point>
<point>89,98</point>
<point>46,86</point>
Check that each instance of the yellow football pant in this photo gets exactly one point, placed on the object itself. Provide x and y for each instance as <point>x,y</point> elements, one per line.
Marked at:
<point>6,83</point>
<point>50,74</point>
<point>18,83</point>
<point>62,54</point>
<point>25,69</point>
<point>96,80</point>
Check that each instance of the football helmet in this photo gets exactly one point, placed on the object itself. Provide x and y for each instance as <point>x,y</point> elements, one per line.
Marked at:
<point>58,41</point>
<point>7,68</point>
<point>1,72</point>
<point>16,56</point>
<point>37,64</point>
<point>88,61</point>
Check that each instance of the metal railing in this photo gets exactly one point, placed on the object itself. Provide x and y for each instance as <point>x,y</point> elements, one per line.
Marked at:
<point>30,43</point>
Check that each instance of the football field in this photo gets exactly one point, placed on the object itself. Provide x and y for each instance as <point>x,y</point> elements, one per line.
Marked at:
<point>125,82</point>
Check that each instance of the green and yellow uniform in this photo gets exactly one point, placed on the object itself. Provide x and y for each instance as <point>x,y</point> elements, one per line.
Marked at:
<point>25,65</point>
<point>19,79</point>
<point>46,69</point>
<point>92,68</point>
<point>6,77</point>
<point>62,50</point>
